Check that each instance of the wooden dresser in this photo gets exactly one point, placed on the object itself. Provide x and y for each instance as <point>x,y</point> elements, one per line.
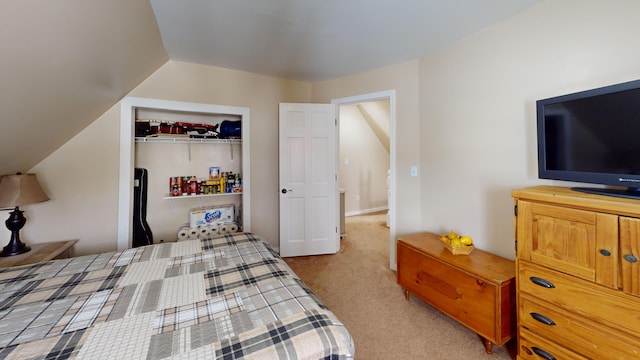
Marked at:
<point>578,275</point>
<point>477,290</point>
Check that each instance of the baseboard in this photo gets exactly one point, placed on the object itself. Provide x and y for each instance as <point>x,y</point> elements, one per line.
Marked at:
<point>366,211</point>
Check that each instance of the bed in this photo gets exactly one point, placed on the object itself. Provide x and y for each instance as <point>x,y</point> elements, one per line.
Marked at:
<point>225,297</point>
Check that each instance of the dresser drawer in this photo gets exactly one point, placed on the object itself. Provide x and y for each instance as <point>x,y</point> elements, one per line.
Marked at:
<point>580,335</point>
<point>468,299</point>
<point>533,347</point>
<point>582,298</point>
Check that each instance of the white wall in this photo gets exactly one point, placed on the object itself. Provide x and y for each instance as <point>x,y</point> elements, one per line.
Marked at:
<point>477,106</point>
<point>81,177</point>
<point>364,158</point>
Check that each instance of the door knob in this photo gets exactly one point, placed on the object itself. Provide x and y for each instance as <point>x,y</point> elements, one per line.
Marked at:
<point>284,191</point>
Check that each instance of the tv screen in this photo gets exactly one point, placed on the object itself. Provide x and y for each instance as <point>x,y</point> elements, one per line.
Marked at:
<point>592,137</point>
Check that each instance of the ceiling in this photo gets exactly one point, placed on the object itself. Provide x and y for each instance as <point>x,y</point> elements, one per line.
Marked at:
<point>66,62</point>
<point>314,40</point>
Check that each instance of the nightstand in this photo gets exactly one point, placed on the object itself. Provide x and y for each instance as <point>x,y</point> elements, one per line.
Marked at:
<point>41,252</point>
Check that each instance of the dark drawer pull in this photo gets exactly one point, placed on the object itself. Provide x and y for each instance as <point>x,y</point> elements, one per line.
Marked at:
<point>543,354</point>
<point>631,258</point>
<point>542,282</point>
<point>605,252</point>
<point>541,318</point>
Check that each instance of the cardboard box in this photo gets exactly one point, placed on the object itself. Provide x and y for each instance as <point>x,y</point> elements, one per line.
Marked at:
<point>216,214</point>
<point>214,173</point>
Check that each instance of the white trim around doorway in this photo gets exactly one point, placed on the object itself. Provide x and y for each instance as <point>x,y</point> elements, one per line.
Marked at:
<point>381,95</point>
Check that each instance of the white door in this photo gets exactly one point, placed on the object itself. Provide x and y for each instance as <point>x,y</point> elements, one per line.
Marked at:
<point>308,180</point>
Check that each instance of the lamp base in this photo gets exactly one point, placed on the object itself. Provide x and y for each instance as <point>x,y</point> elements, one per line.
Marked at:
<point>14,223</point>
<point>14,249</point>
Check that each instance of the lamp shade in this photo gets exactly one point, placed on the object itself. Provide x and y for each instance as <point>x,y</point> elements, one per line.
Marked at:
<point>20,189</point>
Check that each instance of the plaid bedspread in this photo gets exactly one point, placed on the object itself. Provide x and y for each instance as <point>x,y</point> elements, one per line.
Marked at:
<point>228,297</point>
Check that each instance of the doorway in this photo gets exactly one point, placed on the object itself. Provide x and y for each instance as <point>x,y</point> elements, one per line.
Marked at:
<point>361,102</point>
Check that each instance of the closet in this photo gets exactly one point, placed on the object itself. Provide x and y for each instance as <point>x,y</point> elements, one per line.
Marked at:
<point>169,155</point>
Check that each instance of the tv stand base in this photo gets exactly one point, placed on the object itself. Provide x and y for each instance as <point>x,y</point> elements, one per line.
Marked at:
<point>628,193</point>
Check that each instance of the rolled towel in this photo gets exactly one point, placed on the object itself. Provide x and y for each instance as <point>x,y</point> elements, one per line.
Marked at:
<point>204,231</point>
<point>232,227</point>
<point>228,228</point>
<point>214,229</point>
<point>183,233</point>
<point>193,233</point>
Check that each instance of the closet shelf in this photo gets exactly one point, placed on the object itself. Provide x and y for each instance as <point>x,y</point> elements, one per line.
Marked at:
<point>185,140</point>
<point>200,197</point>
<point>168,197</point>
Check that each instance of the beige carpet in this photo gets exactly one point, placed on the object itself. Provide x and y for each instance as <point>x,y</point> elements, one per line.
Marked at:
<point>358,286</point>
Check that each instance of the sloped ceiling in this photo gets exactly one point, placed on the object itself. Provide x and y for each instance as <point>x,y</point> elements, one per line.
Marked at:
<point>63,63</point>
<point>376,114</point>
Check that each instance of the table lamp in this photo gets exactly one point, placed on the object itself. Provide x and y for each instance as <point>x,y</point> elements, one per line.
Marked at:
<point>15,191</point>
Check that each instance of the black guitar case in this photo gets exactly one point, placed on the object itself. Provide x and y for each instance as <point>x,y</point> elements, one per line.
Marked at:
<point>141,232</point>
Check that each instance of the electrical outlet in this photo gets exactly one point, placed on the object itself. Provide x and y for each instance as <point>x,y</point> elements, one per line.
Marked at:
<point>414,171</point>
<point>358,197</point>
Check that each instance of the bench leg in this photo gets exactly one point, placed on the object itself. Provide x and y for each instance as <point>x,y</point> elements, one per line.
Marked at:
<point>488,346</point>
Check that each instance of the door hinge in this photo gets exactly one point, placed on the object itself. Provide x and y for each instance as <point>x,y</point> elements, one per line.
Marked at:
<point>336,121</point>
<point>515,210</point>
<point>516,245</point>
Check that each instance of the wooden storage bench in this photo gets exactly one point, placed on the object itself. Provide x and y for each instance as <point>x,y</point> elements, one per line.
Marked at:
<point>477,290</point>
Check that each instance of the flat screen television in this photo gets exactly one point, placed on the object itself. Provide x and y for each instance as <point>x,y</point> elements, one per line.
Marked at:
<point>592,137</point>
